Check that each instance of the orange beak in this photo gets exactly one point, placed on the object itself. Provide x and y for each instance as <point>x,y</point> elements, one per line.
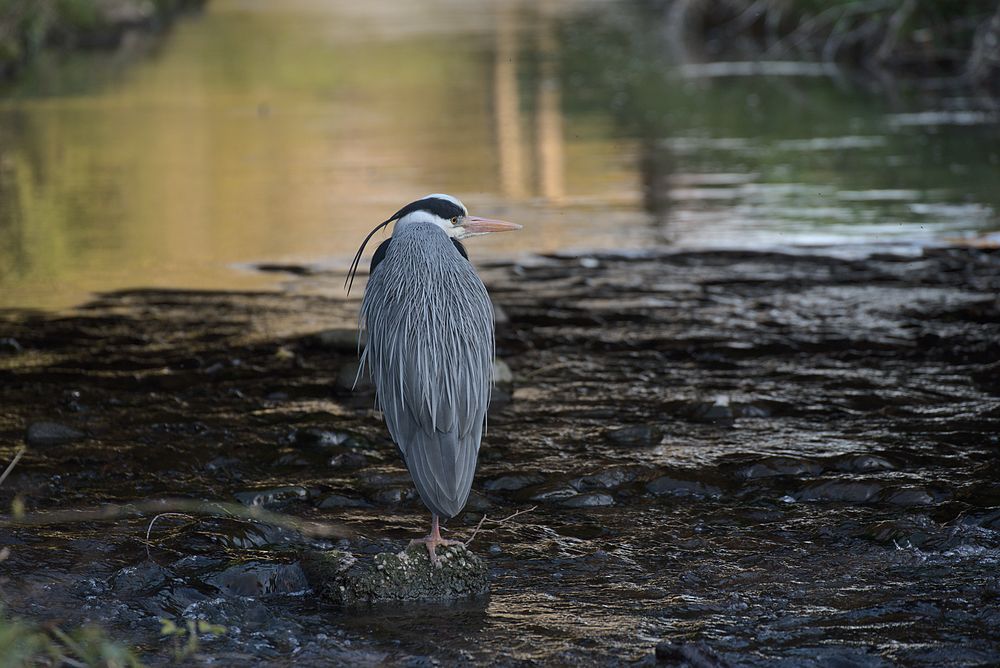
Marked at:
<point>477,225</point>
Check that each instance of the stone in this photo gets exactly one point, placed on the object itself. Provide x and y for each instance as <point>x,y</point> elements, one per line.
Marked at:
<point>314,437</point>
<point>10,346</point>
<point>342,578</point>
<point>51,433</point>
<point>863,464</point>
<point>257,579</point>
<point>640,435</point>
<point>610,478</point>
<point>592,500</point>
<point>338,501</point>
<point>778,466</point>
<point>275,496</point>
<point>689,654</point>
<point>847,491</point>
<point>718,412</point>
<point>512,483</point>
<point>668,486</point>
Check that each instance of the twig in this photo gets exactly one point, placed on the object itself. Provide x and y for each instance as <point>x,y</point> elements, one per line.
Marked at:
<point>113,512</point>
<point>149,529</point>
<point>500,522</point>
<point>13,463</point>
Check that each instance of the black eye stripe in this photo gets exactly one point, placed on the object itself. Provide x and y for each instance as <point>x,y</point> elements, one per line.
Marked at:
<point>434,205</point>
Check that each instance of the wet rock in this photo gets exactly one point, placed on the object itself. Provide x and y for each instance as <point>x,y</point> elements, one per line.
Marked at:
<point>669,486</point>
<point>348,461</point>
<point>344,340</point>
<point>512,483</point>
<point>863,464</point>
<point>611,478</point>
<point>911,496</point>
<point>591,500</point>
<point>51,433</point>
<point>291,459</point>
<point>641,435</point>
<point>846,491</point>
<point>342,578</point>
<point>225,467</point>
<point>338,501</point>
<point>478,503</point>
<point>273,497</point>
<point>688,655</point>
<point>314,437</point>
<point>718,412</point>
<point>258,579</point>
<point>778,466</point>
<point>395,496</point>
<point>10,346</point>
<point>142,579</point>
<point>552,492</point>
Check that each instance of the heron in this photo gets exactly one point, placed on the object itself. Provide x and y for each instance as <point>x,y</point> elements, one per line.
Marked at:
<point>430,348</point>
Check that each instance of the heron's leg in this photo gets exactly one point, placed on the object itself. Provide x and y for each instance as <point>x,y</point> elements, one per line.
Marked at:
<point>433,539</point>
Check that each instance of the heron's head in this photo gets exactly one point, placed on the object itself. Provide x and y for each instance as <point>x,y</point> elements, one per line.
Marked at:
<point>446,212</point>
<point>450,215</point>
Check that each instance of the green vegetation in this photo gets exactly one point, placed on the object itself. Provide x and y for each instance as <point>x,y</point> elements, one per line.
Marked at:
<point>24,643</point>
<point>28,26</point>
<point>923,37</point>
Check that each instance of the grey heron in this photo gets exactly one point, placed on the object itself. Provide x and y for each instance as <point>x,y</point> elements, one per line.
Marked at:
<point>430,348</point>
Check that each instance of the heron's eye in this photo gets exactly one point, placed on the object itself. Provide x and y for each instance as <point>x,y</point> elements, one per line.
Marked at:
<point>454,221</point>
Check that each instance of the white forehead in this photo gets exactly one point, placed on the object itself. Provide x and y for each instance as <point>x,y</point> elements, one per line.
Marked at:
<point>454,200</point>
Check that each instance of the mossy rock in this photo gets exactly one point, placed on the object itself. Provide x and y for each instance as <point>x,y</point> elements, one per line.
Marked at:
<point>342,578</point>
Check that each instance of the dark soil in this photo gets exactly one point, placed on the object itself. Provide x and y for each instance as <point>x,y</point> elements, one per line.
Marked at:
<point>746,458</point>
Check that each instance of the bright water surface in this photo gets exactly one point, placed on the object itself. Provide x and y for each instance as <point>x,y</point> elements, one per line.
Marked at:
<point>284,131</point>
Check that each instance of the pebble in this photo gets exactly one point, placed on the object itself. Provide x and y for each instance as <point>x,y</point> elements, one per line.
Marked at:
<point>593,500</point>
<point>778,466</point>
<point>10,346</point>
<point>51,433</point>
<point>668,486</point>
<point>338,501</point>
<point>690,654</point>
<point>512,483</point>
<point>850,491</point>
<point>274,496</point>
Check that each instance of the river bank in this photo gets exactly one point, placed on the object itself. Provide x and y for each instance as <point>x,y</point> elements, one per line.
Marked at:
<point>940,43</point>
<point>754,457</point>
<point>28,27</point>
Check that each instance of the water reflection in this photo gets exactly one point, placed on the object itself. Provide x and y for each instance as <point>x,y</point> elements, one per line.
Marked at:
<point>281,132</point>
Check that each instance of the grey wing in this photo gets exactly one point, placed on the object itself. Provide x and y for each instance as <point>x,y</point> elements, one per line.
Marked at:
<point>430,354</point>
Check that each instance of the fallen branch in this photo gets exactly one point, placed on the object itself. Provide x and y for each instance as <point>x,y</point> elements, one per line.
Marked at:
<point>13,463</point>
<point>112,512</point>
<point>499,522</point>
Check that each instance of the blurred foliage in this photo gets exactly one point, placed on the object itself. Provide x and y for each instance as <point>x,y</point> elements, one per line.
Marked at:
<point>26,26</point>
<point>24,643</point>
<point>926,37</point>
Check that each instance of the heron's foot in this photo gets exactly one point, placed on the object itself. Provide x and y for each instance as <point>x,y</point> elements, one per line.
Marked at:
<point>432,542</point>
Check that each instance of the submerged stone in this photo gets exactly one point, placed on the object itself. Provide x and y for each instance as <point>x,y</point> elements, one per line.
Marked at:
<point>52,433</point>
<point>274,496</point>
<point>342,578</point>
<point>640,435</point>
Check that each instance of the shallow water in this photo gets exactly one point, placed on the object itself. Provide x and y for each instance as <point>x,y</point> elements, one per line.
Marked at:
<point>764,458</point>
<point>277,132</point>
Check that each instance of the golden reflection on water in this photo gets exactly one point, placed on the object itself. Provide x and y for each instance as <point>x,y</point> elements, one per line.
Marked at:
<point>283,132</point>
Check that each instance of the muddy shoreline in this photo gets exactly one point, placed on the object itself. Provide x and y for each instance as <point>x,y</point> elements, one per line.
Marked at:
<point>759,457</point>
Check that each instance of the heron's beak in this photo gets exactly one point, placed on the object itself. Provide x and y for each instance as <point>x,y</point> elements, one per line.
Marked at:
<point>476,225</point>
